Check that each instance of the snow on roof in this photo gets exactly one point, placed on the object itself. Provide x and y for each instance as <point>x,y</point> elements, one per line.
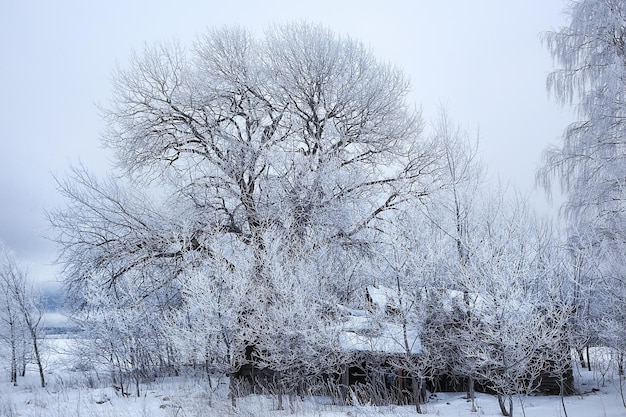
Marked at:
<point>389,341</point>
<point>484,308</point>
<point>361,332</point>
<point>381,296</point>
<point>351,311</point>
<point>450,299</point>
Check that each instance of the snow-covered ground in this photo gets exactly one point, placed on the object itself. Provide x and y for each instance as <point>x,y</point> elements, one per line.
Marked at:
<point>71,392</point>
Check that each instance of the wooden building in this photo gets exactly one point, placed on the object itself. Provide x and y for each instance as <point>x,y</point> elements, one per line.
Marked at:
<point>383,358</point>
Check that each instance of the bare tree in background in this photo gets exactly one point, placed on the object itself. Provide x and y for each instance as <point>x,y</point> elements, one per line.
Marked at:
<point>22,311</point>
<point>11,329</point>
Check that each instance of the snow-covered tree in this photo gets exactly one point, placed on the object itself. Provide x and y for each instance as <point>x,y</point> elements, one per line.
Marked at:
<point>403,268</point>
<point>296,336</point>
<point>126,335</point>
<point>21,312</point>
<point>12,330</point>
<point>590,164</point>
<point>300,136</point>
<point>517,310</point>
<point>454,217</point>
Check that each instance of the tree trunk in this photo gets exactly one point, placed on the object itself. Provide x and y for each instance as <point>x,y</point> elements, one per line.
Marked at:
<point>23,363</point>
<point>232,389</point>
<point>345,381</point>
<point>13,356</point>
<point>42,377</point>
<point>562,393</point>
<point>471,393</point>
<point>581,358</point>
<point>417,393</point>
<point>503,410</point>
<point>137,379</point>
<point>279,389</point>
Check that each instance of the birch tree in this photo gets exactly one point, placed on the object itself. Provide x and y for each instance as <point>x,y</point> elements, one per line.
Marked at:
<point>20,312</point>
<point>11,330</point>
<point>589,164</point>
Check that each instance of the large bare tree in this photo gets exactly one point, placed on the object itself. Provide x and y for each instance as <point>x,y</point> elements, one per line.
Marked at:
<point>299,136</point>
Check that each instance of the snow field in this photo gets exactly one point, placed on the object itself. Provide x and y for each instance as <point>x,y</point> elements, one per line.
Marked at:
<point>75,392</point>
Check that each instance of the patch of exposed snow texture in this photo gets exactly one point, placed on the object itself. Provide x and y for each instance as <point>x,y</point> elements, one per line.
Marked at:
<point>365,332</point>
<point>383,297</point>
<point>382,337</point>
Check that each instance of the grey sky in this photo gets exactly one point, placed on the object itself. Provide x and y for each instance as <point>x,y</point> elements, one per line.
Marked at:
<point>482,60</point>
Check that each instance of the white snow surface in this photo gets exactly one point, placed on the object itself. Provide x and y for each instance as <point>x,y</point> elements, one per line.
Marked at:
<point>378,330</point>
<point>71,392</point>
<point>383,297</point>
<point>366,334</point>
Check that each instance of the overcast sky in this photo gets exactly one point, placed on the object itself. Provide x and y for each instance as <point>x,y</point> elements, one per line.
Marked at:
<point>482,60</point>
